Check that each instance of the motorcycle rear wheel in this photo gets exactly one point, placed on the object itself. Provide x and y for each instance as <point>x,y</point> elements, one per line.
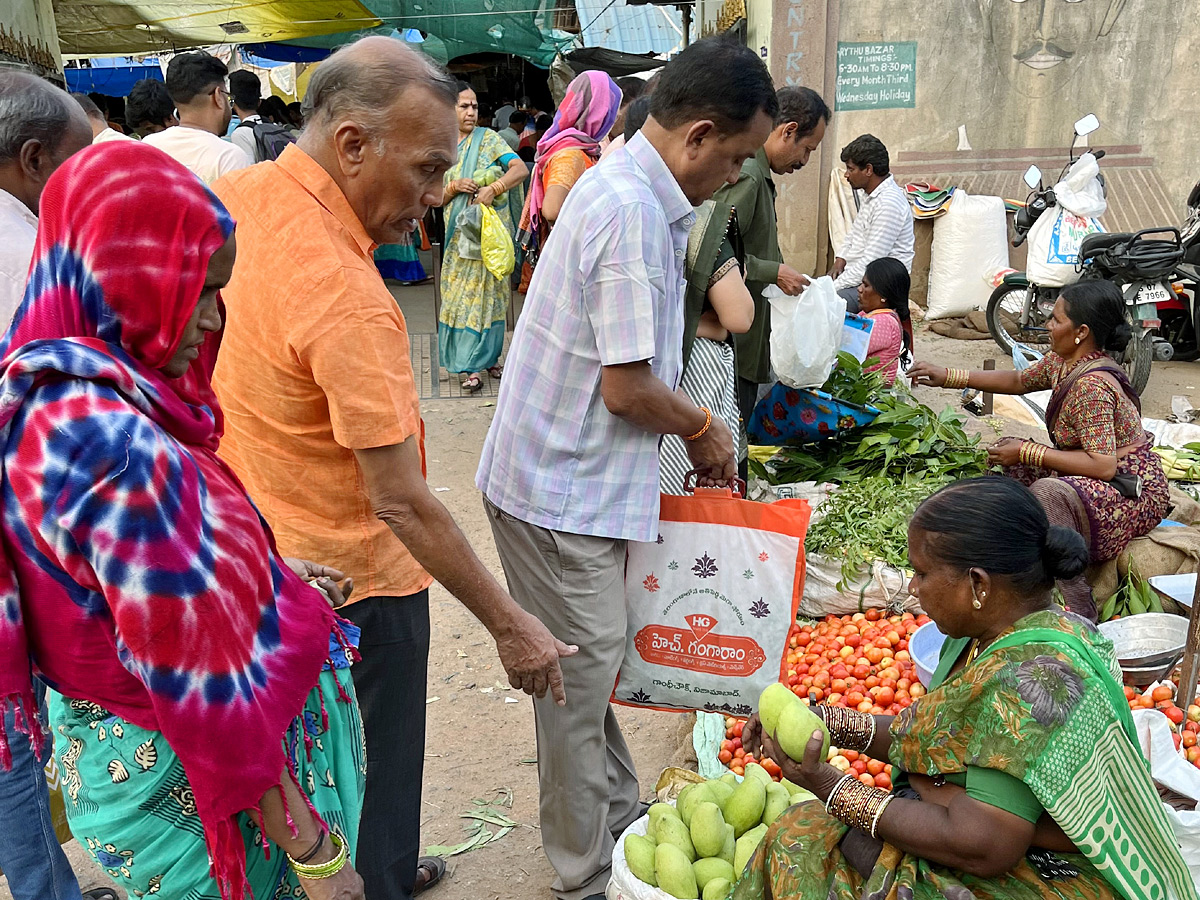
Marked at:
<point>1138,356</point>
<point>1004,311</point>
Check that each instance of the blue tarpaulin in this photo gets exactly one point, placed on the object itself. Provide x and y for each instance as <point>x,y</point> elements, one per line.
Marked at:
<point>111,80</point>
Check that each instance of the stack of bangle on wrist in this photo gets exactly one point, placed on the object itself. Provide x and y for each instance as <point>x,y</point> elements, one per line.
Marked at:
<point>849,728</point>
<point>857,805</point>
<point>958,378</point>
<point>1032,454</point>
<point>707,424</point>
<point>315,872</point>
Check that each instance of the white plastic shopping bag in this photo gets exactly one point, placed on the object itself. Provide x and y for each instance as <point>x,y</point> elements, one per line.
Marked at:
<point>1055,238</point>
<point>1170,770</point>
<point>806,332</point>
<point>709,604</point>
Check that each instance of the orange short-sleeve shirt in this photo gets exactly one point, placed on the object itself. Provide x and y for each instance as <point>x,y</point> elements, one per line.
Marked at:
<point>314,365</point>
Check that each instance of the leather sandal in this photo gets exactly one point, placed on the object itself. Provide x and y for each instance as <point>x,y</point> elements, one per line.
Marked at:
<point>435,867</point>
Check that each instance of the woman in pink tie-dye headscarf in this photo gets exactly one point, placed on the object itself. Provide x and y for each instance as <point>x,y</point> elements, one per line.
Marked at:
<point>570,148</point>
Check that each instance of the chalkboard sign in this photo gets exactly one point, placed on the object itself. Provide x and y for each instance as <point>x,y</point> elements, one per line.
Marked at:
<point>877,76</point>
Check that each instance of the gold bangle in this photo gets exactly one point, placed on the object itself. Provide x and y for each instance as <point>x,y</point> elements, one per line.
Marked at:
<point>849,728</point>
<point>855,804</point>
<point>707,423</point>
<point>879,813</point>
<point>326,869</point>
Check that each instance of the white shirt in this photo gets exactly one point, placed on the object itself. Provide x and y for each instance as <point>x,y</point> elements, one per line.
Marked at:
<point>19,227</point>
<point>207,155</point>
<point>244,137</point>
<point>110,134</point>
<point>884,227</point>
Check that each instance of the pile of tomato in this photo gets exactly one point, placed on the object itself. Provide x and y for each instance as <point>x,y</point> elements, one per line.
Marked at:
<point>1185,724</point>
<point>859,661</point>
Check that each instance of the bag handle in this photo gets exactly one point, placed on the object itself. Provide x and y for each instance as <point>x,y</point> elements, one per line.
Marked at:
<point>735,492</point>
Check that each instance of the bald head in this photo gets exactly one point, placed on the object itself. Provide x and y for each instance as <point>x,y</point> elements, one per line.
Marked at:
<point>364,79</point>
<point>40,126</point>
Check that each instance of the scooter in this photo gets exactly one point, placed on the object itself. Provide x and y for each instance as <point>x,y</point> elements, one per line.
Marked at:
<point>1176,337</point>
<point>1141,265</point>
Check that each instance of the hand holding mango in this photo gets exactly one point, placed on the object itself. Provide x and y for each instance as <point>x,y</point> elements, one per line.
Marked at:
<point>795,737</point>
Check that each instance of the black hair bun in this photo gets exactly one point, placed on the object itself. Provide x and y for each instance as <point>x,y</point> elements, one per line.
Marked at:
<point>1064,553</point>
<point>1120,337</point>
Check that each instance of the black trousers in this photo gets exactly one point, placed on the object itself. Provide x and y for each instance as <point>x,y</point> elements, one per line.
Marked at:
<point>390,683</point>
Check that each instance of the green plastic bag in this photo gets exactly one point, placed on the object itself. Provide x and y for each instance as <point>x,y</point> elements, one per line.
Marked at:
<point>496,245</point>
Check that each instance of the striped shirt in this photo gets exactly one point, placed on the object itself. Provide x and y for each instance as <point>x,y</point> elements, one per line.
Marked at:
<point>608,290</point>
<point>883,227</point>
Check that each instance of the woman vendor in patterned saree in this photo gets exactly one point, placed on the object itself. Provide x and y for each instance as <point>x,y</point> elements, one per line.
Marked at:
<point>1021,774</point>
<point>474,301</point>
<point>203,713</point>
<point>1100,476</point>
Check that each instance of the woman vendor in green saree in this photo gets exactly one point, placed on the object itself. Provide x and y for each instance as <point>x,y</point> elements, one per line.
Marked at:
<point>1023,777</point>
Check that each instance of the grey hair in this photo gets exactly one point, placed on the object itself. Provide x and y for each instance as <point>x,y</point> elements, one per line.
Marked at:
<point>364,85</point>
<point>32,109</point>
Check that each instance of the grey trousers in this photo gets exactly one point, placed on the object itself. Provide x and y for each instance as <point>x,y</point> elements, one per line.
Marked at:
<point>589,791</point>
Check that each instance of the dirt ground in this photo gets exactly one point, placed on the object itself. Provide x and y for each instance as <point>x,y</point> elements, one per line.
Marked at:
<point>480,738</point>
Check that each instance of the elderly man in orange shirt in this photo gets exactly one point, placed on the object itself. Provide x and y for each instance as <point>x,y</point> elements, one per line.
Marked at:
<point>322,421</point>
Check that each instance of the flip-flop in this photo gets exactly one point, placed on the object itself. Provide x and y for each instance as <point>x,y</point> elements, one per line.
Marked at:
<point>435,866</point>
<point>473,384</point>
<point>102,893</point>
<point>496,371</point>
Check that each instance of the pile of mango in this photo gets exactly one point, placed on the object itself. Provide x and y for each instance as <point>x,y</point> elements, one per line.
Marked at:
<point>696,848</point>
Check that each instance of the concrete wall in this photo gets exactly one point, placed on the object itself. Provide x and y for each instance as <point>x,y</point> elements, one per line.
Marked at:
<point>1016,74</point>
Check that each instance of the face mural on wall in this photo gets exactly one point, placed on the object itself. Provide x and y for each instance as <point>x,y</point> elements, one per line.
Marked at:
<point>1041,44</point>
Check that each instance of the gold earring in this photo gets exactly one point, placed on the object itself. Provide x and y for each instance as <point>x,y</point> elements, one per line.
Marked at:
<point>975,602</point>
<point>1077,341</point>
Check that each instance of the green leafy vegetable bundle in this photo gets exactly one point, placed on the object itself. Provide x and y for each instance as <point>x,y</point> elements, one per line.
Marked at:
<point>868,520</point>
<point>907,438</point>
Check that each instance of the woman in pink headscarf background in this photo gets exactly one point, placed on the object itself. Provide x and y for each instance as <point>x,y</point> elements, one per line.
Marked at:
<point>567,150</point>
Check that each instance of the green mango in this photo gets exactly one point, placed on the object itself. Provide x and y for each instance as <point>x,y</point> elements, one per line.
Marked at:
<point>707,829</point>
<point>690,799</point>
<point>796,726</point>
<point>721,792</point>
<point>730,779</point>
<point>771,703</point>
<point>745,808</point>
<point>717,889</point>
<point>746,845</point>
<point>674,872</point>
<point>754,770</point>
<point>728,846</point>
<point>639,853</point>
<point>709,869</point>
<point>778,799</point>
<point>673,831</point>
<point>657,813</point>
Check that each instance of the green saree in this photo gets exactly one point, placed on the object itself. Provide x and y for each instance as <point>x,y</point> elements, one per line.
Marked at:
<point>1042,705</point>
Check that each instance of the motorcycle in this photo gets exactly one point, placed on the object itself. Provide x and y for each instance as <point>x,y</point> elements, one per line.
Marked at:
<point>1177,335</point>
<point>1140,264</point>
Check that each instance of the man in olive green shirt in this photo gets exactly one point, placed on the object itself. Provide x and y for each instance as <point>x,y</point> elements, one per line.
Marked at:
<point>799,128</point>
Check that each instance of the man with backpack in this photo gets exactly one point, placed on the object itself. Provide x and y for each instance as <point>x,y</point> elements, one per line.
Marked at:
<point>259,139</point>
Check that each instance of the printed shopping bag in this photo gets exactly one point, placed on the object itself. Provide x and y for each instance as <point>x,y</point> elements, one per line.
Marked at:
<point>710,603</point>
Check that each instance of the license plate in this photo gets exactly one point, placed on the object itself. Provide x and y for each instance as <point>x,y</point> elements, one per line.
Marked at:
<point>1153,293</point>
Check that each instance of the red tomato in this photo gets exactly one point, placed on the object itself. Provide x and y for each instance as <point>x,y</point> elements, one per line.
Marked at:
<point>725,756</point>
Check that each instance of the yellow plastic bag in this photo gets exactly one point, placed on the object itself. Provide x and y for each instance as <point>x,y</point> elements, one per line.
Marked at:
<point>496,245</point>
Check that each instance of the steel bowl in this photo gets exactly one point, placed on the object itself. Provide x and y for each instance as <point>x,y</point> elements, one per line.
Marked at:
<point>1148,646</point>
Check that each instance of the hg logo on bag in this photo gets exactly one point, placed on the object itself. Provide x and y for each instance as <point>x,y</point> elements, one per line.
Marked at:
<point>698,648</point>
